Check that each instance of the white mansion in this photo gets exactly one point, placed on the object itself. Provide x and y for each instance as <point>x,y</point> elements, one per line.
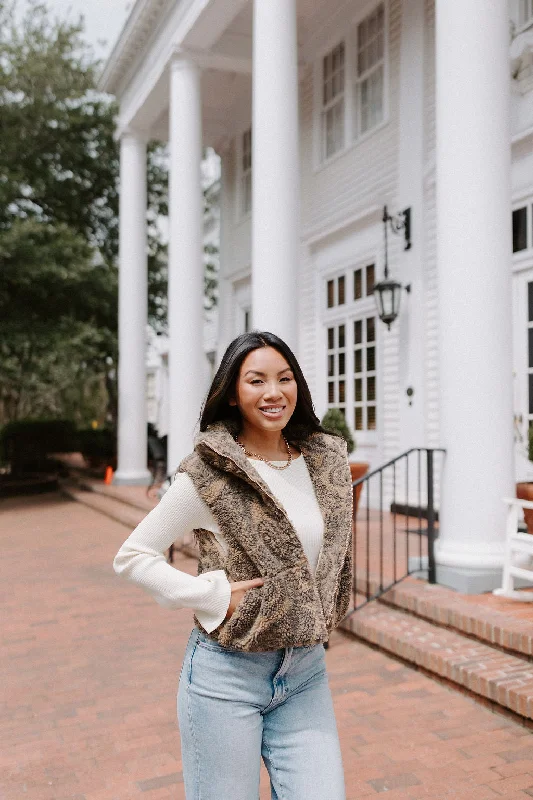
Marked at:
<point>323,112</point>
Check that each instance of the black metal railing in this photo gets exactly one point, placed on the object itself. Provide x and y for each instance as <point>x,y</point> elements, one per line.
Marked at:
<point>396,524</point>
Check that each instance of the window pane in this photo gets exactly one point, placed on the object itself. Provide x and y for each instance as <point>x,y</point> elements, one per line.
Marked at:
<point>357,284</point>
<point>530,376</point>
<point>340,288</point>
<point>371,389</point>
<point>530,301</point>
<point>342,392</point>
<point>370,279</point>
<point>530,347</point>
<point>358,367</point>
<point>341,336</point>
<point>342,368</point>
<point>358,390</point>
<point>358,419</point>
<point>331,392</point>
<point>358,331</point>
<point>371,418</point>
<point>519,229</point>
<point>331,366</point>
<point>370,329</point>
<point>371,359</point>
<point>331,294</point>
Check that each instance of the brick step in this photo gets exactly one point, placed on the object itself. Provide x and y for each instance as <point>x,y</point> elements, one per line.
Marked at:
<point>117,505</point>
<point>131,495</point>
<point>473,615</point>
<point>504,679</point>
<point>127,514</point>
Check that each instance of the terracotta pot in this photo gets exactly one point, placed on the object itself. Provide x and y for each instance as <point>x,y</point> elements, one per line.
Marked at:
<point>524,491</point>
<point>358,469</point>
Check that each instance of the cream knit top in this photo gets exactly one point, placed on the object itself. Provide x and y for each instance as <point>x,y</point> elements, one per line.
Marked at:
<point>142,559</point>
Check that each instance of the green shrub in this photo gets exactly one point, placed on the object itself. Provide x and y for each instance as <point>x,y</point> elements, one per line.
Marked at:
<point>26,444</point>
<point>334,421</point>
<point>98,446</point>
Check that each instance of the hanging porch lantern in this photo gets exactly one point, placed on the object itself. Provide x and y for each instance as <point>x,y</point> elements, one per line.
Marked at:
<point>388,292</point>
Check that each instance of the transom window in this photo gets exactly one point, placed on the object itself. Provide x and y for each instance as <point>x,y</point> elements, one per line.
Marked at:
<point>350,92</point>
<point>246,172</point>
<point>364,281</point>
<point>370,70</point>
<point>336,291</point>
<point>526,12</point>
<point>333,105</point>
<point>522,228</point>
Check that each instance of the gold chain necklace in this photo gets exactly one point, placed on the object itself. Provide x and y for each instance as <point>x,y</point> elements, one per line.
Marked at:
<point>262,458</point>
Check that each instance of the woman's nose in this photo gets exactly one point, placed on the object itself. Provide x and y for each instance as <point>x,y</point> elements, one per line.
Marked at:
<point>272,390</point>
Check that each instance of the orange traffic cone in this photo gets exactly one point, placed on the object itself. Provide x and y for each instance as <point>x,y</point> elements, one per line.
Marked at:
<point>108,475</point>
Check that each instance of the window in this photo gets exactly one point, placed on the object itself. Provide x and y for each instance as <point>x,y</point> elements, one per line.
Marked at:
<point>370,70</point>
<point>337,367</point>
<point>246,172</point>
<point>350,89</point>
<point>333,101</point>
<point>365,376</point>
<point>526,12</point>
<point>351,347</point>
<point>520,237</point>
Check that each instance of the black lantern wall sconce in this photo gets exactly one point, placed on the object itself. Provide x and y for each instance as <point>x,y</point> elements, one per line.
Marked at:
<point>388,292</point>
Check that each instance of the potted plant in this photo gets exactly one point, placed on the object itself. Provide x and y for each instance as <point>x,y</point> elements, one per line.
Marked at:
<point>334,421</point>
<point>524,489</point>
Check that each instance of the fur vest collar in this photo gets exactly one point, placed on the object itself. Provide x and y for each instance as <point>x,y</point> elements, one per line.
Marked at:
<point>293,607</point>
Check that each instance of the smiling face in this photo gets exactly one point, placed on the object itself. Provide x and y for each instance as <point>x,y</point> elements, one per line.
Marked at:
<point>266,390</point>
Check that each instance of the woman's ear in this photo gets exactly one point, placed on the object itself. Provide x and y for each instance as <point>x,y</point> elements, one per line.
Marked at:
<point>232,401</point>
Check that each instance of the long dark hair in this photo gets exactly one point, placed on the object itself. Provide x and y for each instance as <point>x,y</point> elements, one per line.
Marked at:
<point>216,408</point>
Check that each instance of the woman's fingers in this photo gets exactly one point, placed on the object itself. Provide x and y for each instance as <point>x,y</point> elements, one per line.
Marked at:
<point>238,586</point>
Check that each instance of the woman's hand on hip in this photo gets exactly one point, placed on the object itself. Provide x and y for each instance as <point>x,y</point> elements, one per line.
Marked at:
<point>238,590</point>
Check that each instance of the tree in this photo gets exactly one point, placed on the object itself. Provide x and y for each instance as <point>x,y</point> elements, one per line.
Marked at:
<point>59,164</point>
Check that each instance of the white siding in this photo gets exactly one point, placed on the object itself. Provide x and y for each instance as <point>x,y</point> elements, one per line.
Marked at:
<point>363,177</point>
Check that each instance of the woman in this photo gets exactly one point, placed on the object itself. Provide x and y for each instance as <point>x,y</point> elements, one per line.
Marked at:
<point>268,494</point>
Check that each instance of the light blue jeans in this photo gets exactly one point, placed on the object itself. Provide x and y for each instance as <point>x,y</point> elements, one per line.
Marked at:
<point>235,707</point>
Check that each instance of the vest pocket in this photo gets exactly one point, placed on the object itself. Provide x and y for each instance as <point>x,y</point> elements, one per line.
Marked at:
<point>285,612</point>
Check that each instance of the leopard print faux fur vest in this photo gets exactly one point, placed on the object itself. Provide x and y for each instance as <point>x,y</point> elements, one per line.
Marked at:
<point>292,608</point>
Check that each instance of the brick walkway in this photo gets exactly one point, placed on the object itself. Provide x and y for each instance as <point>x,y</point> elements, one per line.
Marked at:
<point>90,668</point>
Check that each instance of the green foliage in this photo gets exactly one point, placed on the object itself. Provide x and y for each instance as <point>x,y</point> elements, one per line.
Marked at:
<point>334,421</point>
<point>98,446</point>
<point>25,445</point>
<point>530,442</point>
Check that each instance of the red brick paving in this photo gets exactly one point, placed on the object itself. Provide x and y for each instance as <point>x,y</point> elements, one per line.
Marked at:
<point>90,669</point>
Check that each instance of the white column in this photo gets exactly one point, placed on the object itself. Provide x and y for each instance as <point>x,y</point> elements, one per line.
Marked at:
<point>411,194</point>
<point>132,314</point>
<point>275,169</point>
<point>187,360</point>
<point>474,254</point>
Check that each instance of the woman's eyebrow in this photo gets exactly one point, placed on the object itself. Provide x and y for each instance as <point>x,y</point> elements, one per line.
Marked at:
<point>262,374</point>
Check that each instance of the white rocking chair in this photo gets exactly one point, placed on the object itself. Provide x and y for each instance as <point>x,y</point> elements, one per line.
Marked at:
<point>516,542</point>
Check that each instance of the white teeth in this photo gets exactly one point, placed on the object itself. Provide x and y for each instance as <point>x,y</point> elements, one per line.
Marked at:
<point>271,410</point>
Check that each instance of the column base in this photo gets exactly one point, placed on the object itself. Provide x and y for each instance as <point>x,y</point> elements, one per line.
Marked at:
<point>140,478</point>
<point>469,580</point>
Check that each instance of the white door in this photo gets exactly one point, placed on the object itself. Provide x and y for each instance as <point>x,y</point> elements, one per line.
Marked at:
<point>523,369</point>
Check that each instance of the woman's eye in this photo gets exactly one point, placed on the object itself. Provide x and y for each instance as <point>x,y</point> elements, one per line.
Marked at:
<point>256,380</point>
